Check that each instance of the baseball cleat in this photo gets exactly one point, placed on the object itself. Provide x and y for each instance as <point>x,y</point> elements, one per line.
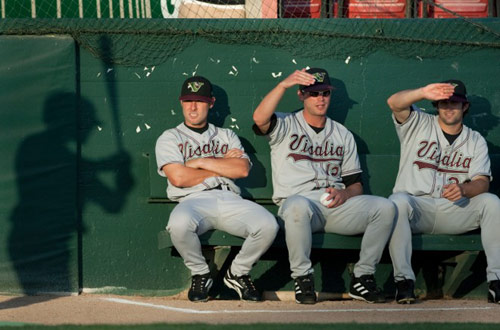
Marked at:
<point>243,285</point>
<point>405,292</point>
<point>304,290</point>
<point>200,285</point>
<point>494,292</point>
<point>364,288</point>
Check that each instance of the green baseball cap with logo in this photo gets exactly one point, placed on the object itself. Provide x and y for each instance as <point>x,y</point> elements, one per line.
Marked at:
<point>196,88</point>
<point>321,81</point>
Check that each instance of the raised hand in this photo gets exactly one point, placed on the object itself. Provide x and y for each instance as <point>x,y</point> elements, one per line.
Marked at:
<point>439,91</point>
<point>299,77</point>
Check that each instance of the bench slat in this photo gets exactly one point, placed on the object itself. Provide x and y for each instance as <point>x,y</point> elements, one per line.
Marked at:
<point>421,242</point>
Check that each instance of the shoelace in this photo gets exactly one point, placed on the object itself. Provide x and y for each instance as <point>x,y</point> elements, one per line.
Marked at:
<point>199,282</point>
<point>306,284</point>
<point>248,282</point>
<point>369,283</point>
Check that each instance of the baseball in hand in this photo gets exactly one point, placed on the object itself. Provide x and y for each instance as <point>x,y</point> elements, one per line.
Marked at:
<point>323,199</point>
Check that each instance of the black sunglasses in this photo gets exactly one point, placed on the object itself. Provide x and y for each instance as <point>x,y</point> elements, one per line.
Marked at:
<point>316,94</point>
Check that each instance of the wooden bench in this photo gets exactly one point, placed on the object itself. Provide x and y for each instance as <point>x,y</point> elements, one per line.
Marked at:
<point>421,242</point>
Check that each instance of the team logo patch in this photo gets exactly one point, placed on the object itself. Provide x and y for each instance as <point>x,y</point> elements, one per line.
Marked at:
<point>319,76</point>
<point>195,86</point>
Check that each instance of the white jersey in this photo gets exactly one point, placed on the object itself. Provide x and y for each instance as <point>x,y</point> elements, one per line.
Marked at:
<point>181,144</point>
<point>303,160</point>
<point>428,161</point>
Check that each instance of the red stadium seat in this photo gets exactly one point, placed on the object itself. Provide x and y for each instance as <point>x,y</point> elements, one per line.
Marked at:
<point>375,8</point>
<point>301,8</point>
<point>465,8</point>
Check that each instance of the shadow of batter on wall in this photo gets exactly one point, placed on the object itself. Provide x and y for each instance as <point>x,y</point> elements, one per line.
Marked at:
<point>44,242</point>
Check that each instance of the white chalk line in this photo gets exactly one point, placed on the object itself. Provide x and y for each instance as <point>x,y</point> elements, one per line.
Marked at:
<point>343,310</point>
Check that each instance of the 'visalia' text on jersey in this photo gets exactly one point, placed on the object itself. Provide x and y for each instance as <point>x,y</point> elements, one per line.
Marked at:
<point>210,149</point>
<point>300,143</point>
<point>430,151</point>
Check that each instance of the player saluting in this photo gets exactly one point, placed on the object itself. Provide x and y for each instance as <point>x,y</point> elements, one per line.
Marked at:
<point>200,162</point>
<point>443,179</point>
<point>310,155</point>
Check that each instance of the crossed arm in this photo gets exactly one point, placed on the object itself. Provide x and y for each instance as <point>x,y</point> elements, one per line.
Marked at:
<point>195,171</point>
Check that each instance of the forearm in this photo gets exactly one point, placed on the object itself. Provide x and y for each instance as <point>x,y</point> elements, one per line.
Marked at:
<point>264,111</point>
<point>475,187</point>
<point>233,168</point>
<point>182,176</point>
<point>355,189</point>
<point>402,100</point>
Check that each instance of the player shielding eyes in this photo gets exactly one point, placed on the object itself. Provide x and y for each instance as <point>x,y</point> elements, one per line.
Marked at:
<point>311,154</point>
<point>443,180</point>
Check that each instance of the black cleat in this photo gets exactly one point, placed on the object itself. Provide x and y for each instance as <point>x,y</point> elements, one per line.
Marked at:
<point>364,288</point>
<point>494,292</point>
<point>200,284</point>
<point>405,292</point>
<point>243,285</point>
<point>304,290</point>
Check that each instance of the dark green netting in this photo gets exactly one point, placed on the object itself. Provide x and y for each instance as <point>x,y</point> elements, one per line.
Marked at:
<point>152,41</point>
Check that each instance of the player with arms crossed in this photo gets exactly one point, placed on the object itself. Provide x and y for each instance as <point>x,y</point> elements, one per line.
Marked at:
<point>200,162</point>
<point>443,180</point>
<point>310,155</point>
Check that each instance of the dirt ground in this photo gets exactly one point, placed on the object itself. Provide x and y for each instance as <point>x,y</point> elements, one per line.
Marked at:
<point>112,309</point>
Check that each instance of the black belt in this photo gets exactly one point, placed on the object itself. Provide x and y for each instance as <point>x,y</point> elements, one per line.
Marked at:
<point>219,187</point>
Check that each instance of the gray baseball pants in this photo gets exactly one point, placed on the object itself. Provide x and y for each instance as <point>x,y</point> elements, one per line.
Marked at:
<point>223,210</point>
<point>302,215</point>
<point>429,215</point>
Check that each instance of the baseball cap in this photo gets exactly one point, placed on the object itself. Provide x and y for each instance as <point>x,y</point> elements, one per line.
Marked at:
<point>459,94</point>
<point>321,83</point>
<point>196,88</point>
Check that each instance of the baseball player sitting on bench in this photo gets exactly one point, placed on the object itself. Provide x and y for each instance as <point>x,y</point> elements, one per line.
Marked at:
<point>200,162</point>
<point>443,179</point>
<point>310,155</point>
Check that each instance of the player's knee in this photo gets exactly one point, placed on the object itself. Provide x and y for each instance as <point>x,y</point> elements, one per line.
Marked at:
<point>491,204</point>
<point>387,207</point>
<point>491,201</point>
<point>400,199</point>
<point>296,209</point>
<point>177,228</point>
<point>180,223</point>
<point>388,211</point>
<point>383,212</point>
<point>269,229</point>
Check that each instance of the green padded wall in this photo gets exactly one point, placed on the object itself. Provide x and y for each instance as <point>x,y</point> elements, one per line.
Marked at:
<point>38,184</point>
